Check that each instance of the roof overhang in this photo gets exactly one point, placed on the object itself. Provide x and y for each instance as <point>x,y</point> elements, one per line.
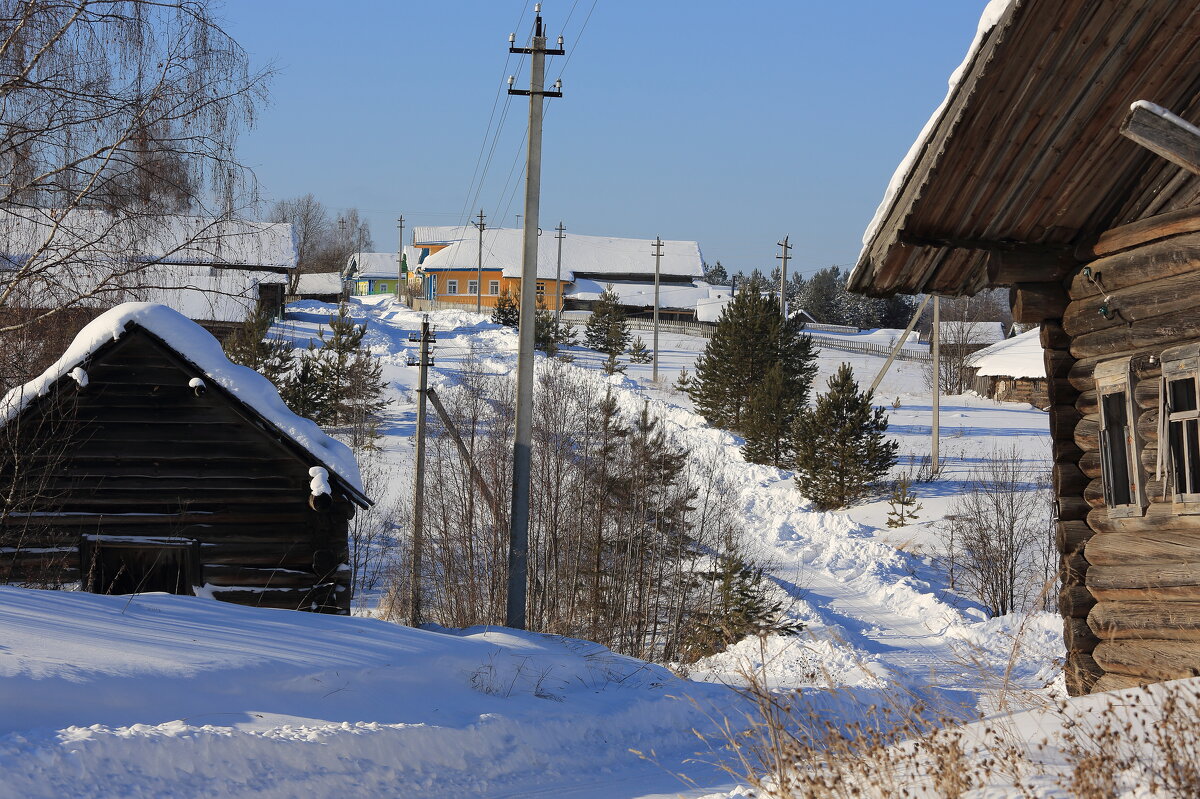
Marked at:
<point>1025,165</point>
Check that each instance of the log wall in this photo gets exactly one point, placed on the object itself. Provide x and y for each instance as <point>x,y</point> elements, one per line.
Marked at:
<point>137,456</point>
<point>1138,618</point>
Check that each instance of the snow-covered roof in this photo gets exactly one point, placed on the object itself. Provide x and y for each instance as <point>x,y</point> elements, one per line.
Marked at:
<point>319,283</point>
<point>195,345</point>
<point>81,235</point>
<point>440,234</point>
<point>581,255</point>
<point>641,293</point>
<point>372,265</point>
<point>1020,356</point>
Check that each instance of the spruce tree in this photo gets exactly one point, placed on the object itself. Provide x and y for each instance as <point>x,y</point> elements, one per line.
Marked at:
<point>508,310</point>
<point>839,443</point>
<point>751,336</point>
<point>251,346</point>
<point>304,391</point>
<point>549,333</point>
<point>639,352</point>
<point>607,329</point>
<point>353,377</point>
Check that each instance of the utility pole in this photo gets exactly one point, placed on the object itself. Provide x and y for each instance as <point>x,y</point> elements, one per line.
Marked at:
<point>418,537</point>
<point>658,248</point>
<point>518,532</point>
<point>400,276</point>
<point>479,268</point>
<point>937,385</point>
<point>783,309</point>
<point>560,235</point>
<point>899,343</point>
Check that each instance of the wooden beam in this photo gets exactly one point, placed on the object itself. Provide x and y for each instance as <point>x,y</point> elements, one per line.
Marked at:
<point>1163,133</point>
<point>1037,302</point>
<point>1009,267</point>
<point>1143,231</point>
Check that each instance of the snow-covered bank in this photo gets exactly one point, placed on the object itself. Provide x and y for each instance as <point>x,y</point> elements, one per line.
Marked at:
<point>158,695</point>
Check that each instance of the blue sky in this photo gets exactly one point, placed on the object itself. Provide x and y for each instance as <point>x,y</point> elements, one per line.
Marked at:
<point>731,124</point>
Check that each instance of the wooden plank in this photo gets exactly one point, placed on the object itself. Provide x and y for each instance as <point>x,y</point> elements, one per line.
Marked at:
<point>1037,302</point>
<point>1162,132</point>
<point>1141,582</point>
<point>1138,302</point>
<point>239,575</point>
<point>1175,327</point>
<point>1175,224</point>
<point>1007,267</point>
<point>1156,660</point>
<point>1170,621</point>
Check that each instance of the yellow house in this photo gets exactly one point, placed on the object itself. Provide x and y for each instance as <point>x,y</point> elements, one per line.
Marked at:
<point>449,265</point>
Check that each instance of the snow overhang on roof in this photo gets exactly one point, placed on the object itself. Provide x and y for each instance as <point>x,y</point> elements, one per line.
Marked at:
<point>1024,155</point>
<point>196,346</point>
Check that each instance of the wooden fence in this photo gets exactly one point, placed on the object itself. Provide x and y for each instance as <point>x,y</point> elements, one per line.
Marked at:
<point>828,342</point>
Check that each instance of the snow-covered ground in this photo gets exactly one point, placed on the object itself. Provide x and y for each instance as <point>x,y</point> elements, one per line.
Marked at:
<point>184,697</point>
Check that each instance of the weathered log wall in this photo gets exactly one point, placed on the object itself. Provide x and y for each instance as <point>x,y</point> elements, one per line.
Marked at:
<point>1142,574</point>
<point>136,455</point>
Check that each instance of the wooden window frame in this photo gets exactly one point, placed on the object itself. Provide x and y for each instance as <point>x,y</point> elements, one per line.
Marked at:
<point>539,288</point>
<point>472,288</point>
<point>451,288</point>
<point>1115,378</point>
<point>493,287</point>
<point>1179,363</point>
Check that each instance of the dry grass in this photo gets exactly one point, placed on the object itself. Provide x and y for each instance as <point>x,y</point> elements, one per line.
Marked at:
<point>1136,743</point>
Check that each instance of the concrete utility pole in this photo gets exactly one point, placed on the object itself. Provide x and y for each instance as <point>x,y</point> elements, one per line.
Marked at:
<point>479,268</point>
<point>783,309</point>
<point>418,537</point>
<point>658,248</point>
<point>899,344</point>
<point>518,532</point>
<point>937,384</point>
<point>400,276</point>
<point>560,235</point>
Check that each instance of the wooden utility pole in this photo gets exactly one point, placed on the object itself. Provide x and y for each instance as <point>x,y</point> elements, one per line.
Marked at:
<point>560,235</point>
<point>400,276</point>
<point>479,265</point>
<point>518,531</point>
<point>783,309</point>
<point>418,536</point>
<point>658,248</point>
<point>936,338</point>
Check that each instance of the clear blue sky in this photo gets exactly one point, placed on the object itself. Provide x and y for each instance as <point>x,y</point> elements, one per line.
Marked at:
<point>728,123</point>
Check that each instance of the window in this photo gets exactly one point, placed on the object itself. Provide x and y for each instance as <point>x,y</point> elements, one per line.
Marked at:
<point>472,287</point>
<point>494,287</point>
<point>541,289</point>
<point>451,286</point>
<point>1179,419</point>
<point>1120,467</point>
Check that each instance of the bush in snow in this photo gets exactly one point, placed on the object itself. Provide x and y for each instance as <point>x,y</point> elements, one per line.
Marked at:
<point>840,445</point>
<point>999,547</point>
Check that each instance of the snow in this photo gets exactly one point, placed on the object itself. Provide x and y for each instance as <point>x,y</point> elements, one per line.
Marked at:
<point>320,481</point>
<point>372,265</point>
<point>991,15</point>
<point>592,256</point>
<point>196,382</point>
<point>320,283</point>
<point>1019,356</point>
<point>203,351</point>
<point>688,296</point>
<point>79,376</point>
<point>160,694</point>
<point>1158,110</point>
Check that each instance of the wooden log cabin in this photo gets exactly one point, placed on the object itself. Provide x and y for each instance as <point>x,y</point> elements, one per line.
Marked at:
<point>1052,168</point>
<point>143,460</point>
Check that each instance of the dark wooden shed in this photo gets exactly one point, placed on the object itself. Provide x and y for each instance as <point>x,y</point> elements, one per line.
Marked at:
<point>1045,171</point>
<point>144,461</point>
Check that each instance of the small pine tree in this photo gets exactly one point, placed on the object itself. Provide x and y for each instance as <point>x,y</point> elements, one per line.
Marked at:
<point>839,444</point>
<point>903,503</point>
<point>612,365</point>
<point>549,333</point>
<point>251,346</point>
<point>304,391</point>
<point>770,414</point>
<point>683,383</point>
<point>607,330</point>
<point>742,608</point>
<point>508,310</point>
<point>639,352</point>
<point>353,377</point>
